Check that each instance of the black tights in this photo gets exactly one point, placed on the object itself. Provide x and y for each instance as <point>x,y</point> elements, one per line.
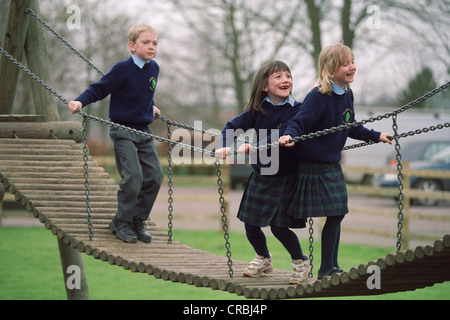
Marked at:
<point>287,238</point>
<point>331,235</point>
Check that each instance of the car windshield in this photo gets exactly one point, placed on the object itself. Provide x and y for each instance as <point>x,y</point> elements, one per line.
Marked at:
<point>442,156</point>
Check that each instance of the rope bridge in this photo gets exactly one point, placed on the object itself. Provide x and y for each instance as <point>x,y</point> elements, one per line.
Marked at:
<point>62,186</point>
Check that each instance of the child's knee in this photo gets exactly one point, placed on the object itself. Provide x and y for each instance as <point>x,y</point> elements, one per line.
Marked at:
<point>133,182</point>
<point>278,232</point>
<point>159,177</point>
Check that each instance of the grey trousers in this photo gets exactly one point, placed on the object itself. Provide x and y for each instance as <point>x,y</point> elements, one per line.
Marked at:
<point>140,170</point>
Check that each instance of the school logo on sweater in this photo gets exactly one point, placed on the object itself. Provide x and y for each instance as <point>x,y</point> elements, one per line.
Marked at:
<point>153,83</point>
<point>348,115</point>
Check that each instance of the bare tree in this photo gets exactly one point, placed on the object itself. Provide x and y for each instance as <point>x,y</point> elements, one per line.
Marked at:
<point>238,42</point>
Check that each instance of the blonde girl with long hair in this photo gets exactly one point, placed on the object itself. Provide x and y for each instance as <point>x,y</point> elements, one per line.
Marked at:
<point>320,189</point>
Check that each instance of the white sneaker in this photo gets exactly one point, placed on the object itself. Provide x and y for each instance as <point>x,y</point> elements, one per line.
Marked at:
<point>258,266</point>
<point>301,271</point>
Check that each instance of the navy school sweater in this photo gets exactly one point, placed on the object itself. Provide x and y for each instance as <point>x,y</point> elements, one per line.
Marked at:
<point>275,117</point>
<point>319,112</point>
<point>132,90</point>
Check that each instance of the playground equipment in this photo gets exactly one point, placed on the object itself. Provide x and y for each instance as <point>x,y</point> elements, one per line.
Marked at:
<point>47,166</point>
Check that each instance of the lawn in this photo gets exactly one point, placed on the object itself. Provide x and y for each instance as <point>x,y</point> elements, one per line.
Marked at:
<point>30,269</point>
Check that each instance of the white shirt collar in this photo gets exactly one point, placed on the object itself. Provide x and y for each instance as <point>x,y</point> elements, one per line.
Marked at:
<point>289,100</point>
<point>139,62</point>
<point>338,90</point>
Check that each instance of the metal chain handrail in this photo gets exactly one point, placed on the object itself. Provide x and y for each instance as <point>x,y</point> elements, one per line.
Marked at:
<point>98,119</point>
<point>59,37</point>
<point>170,185</point>
<point>400,177</point>
<point>263,147</point>
<point>362,122</point>
<point>311,246</point>
<point>80,55</point>
<point>223,210</point>
<point>86,178</point>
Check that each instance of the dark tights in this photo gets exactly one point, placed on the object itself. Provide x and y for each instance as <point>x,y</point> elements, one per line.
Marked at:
<point>331,234</point>
<point>287,238</point>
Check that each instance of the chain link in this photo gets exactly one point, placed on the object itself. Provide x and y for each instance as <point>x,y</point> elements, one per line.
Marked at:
<point>170,183</point>
<point>86,178</point>
<point>360,123</point>
<point>311,246</point>
<point>223,210</point>
<point>400,177</point>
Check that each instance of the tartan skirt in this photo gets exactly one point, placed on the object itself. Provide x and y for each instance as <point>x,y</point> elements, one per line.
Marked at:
<point>265,202</point>
<point>319,191</point>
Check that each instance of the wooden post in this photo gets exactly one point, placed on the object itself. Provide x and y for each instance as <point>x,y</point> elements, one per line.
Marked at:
<point>74,273</point>
<point>13,42</point>
<point>38,63</point>
<point>24,34</point>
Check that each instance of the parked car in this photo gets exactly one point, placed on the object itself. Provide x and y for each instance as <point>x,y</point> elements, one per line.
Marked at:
<point>426,155</point>
<point>421,150</point>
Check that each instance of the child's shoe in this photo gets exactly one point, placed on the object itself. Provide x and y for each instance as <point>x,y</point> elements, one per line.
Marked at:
<point>258,266</point>
<point>301,271</point>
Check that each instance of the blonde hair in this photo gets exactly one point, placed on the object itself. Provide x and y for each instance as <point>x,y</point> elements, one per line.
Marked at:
<point>261,81</point>
<point>136,30</point>
<point>330,60</point>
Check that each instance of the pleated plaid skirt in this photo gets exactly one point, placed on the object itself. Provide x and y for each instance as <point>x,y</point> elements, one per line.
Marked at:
<point>265,202</point>
<point>319,191</point>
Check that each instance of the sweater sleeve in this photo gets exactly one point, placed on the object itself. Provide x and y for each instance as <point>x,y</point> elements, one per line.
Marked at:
<point>364,134</point>
<point>101,89</point>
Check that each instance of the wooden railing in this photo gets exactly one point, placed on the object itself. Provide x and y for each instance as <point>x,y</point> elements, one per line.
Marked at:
<point>409,194</point>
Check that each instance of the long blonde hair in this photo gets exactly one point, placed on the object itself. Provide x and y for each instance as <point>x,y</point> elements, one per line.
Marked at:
<point>330,60</point>
<point>261,81</point>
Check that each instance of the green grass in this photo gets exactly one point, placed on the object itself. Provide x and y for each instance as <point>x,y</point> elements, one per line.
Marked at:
<point>30,269</point>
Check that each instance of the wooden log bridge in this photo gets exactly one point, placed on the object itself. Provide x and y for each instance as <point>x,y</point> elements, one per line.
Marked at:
<point>47,177</point>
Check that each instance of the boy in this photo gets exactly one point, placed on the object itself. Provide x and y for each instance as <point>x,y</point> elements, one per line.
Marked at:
<point>132,84</point>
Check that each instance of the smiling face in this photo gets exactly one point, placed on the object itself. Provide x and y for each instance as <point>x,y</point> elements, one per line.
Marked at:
<point>346,72</point>
<point>279,86</point>
<point>145,46</point>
